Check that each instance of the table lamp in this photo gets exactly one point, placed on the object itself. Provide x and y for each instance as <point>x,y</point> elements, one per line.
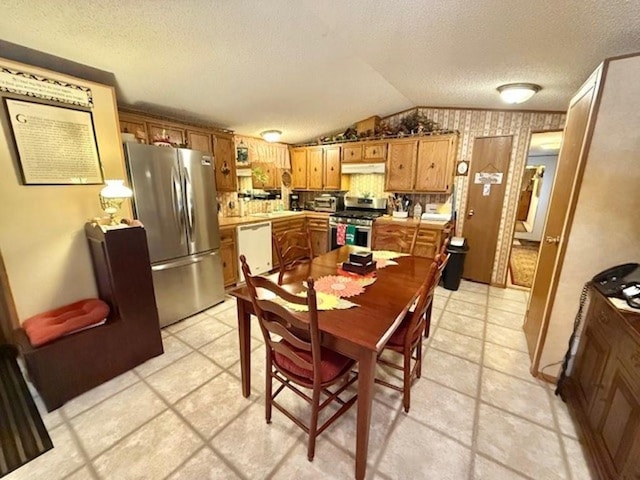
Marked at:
<point>112,196</point>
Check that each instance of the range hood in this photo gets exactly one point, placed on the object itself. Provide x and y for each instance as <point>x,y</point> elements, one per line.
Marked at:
<point>351,168</point>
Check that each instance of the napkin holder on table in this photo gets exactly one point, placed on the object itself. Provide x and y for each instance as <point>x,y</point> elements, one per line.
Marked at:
<point>358,268</point>
<point>360,258</point>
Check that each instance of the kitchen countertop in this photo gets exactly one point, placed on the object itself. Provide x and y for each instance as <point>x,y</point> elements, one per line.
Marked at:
<point>434,225</point>
<point>267,217</point>
<point>229,222</point>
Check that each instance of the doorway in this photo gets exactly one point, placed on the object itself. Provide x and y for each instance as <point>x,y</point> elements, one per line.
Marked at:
<point>533,203</point>
<point>485,199</point>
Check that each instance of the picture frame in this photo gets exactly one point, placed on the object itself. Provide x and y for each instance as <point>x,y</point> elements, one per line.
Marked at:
<point>55,145</point>
<point>242,154</point>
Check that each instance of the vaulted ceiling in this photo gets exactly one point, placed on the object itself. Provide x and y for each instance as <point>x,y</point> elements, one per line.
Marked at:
<point>310,67</point>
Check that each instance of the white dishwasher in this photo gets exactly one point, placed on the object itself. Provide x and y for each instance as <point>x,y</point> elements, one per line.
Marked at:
<point>254,242</point>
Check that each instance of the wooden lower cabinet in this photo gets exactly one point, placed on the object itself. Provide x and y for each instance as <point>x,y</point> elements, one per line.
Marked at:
<point>319,232</point>
<point>228,255</point>
<point>603,390</point>
<point>428,240</point>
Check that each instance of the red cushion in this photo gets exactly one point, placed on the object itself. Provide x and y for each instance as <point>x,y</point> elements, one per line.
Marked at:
<point>332,364</point>
<point>48,326</point>
<point>397,339</point>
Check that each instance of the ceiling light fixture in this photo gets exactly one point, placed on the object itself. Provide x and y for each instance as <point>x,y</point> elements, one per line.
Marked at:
<point>518,92</point>
<point>271,135</point>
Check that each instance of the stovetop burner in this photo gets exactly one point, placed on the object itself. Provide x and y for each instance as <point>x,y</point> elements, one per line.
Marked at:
<point>363,214</point>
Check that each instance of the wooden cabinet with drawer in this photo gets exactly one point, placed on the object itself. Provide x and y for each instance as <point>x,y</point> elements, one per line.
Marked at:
<point>228,255</point>
<point>603,390</point>
<point>318,228</point>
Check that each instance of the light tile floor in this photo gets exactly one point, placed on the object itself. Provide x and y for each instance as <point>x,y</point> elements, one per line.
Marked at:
<point>476,413</point>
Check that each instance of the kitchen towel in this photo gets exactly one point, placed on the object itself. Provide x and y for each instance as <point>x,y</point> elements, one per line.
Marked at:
<point>351,235</point>
<point>341,231</point>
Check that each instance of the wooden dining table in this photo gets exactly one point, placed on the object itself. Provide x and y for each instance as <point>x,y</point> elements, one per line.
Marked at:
<point>359,332</point>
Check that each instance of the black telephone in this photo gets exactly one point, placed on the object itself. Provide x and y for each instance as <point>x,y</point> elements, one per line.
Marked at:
<point>622,281</point>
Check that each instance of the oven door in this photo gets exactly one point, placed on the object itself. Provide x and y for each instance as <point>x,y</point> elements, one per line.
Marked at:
<point>363,236</point>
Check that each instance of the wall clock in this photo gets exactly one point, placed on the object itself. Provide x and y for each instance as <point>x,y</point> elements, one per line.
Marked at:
<point>462,168</point>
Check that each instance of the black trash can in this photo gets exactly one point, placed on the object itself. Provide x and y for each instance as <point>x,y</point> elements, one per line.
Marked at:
<point>452,273</point>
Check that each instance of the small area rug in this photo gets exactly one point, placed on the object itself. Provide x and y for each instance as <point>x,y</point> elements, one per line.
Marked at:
<point>23,436</point>
<point>522,263</point>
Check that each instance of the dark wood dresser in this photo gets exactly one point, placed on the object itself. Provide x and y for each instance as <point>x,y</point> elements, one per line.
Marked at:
<point>603,391</point>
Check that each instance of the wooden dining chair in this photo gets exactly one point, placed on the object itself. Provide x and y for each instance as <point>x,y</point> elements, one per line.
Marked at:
<point>407,339</point>
<point>295,357</point>
<point>292,248</point>
<point>398,238</point>
<point>441,259</point>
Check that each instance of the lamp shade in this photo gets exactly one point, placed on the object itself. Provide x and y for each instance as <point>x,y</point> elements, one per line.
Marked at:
<point>116,189</point>
<point>514,93</point>
<point>271,135</point>
<point>112,196</point>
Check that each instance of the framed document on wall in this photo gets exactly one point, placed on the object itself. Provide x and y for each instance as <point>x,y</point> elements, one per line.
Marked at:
<point>56,145</point>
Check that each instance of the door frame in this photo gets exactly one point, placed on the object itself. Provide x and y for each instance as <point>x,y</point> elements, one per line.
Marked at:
<point>515,210</point>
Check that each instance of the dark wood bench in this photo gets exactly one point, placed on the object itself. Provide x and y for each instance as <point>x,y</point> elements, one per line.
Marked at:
<point>76,363</point>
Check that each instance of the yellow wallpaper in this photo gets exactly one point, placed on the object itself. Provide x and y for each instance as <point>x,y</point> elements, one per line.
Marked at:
<point>369,184</point>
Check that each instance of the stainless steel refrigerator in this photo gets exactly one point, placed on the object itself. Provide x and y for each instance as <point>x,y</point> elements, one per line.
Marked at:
<point>174,196</point>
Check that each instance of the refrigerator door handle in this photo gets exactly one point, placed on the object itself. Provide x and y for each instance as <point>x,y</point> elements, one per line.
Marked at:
<point>188,193</point>
<point>176,196</point>
<point>181,262</point>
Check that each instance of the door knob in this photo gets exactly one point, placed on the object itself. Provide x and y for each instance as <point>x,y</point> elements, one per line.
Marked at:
<point>470,213</point>
<point>552,240</point>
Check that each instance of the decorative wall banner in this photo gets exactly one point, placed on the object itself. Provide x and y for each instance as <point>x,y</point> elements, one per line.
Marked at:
<point>488,178</point>
<point>22,83</point>
<point>55,145</point>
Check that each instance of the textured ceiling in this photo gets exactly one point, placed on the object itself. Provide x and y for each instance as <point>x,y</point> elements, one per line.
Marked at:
<point>311,67</point>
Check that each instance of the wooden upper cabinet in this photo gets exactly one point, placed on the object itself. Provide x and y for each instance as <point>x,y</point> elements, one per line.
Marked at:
<point>199,141</point>
<point>352,152</point>
<point>375,152</point>
<point>401,161</point>
<point>364,152</point>
<point>332,176</point>
<point>315,156</point>
<point>298,168</point>
<point>434,165</point>
<point>264,175</point>
<point>225,163</point>
<point>132,123</point>
<point>157,131</point>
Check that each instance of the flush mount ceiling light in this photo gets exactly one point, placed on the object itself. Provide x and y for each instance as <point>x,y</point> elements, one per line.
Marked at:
<point>518,92</point>
<point>271,135</point>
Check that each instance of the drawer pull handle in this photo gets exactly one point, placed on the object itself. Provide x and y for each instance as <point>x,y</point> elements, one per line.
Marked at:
<point>603,319</point>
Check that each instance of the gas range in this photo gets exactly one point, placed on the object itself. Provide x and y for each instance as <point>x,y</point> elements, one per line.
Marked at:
<point>355,217</point>
<point>360,211</point>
